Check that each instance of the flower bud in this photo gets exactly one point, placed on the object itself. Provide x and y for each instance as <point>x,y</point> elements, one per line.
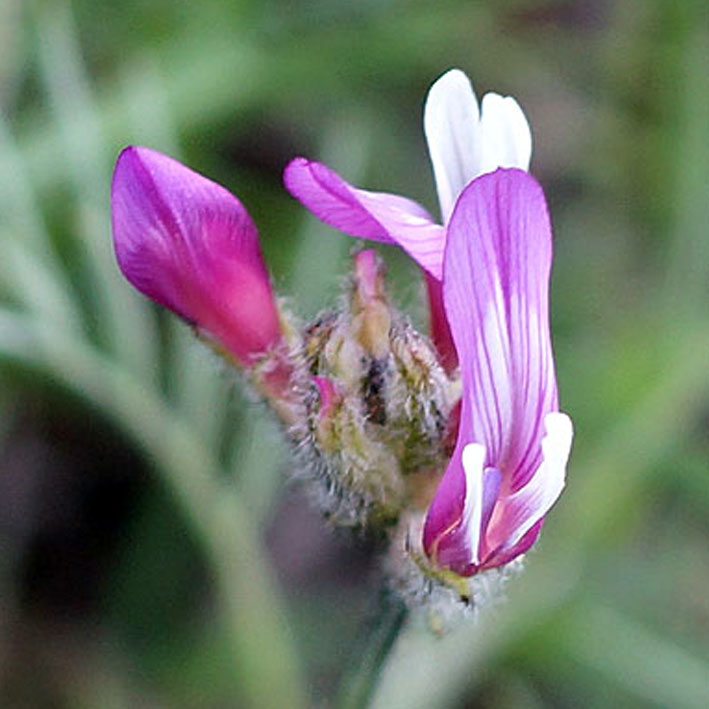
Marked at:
<point>188,244</point>
<point>378,419</point>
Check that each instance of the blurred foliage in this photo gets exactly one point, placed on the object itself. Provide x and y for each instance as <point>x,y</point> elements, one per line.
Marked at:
<point>150,552</point>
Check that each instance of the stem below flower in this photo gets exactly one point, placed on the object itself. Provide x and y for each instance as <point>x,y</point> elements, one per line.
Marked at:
<point>372,651</point>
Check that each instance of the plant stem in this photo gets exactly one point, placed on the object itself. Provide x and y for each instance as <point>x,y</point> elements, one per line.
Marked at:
<point>372,651</point>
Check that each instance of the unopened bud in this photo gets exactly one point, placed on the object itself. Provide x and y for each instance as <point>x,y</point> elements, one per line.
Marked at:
<point>371,317</point>
<point>383,401</point>
<point>191,246</point>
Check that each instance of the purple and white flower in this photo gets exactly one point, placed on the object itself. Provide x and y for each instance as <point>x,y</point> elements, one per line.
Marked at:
<point>509,463</point>
<point>487,271</point>
<point>464,141</point>
<point>190,245</point>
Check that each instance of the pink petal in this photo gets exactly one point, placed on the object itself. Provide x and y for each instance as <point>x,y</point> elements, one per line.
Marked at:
<point>505,556</point>
<point>495,288</point>
<point>190,245</point>
<point>455,523</point>
<point>377,216</point>
<point>446,531</point>
<point>444,525</point>
<point>439,329</point>
<point>495,291</point>
<point>450,534</point>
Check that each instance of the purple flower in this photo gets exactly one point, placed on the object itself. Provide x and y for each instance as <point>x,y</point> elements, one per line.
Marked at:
<point>508,466</point>
<point>464,142</point>
<point>190,245</point>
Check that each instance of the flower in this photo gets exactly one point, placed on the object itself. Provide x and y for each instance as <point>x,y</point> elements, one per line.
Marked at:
<point>464,142</point>
<point>464,447</point>
<point>487,271</point>
<point>508,466</point>
<point>190,245</point>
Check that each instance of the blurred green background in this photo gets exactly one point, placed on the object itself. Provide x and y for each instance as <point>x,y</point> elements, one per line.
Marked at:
<point>152,553</point>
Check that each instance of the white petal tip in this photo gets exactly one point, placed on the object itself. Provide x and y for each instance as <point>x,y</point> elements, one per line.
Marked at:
<point>473,458</point>
<point>508,137</point>
<point>452,78</point>
<point>560,433</point>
